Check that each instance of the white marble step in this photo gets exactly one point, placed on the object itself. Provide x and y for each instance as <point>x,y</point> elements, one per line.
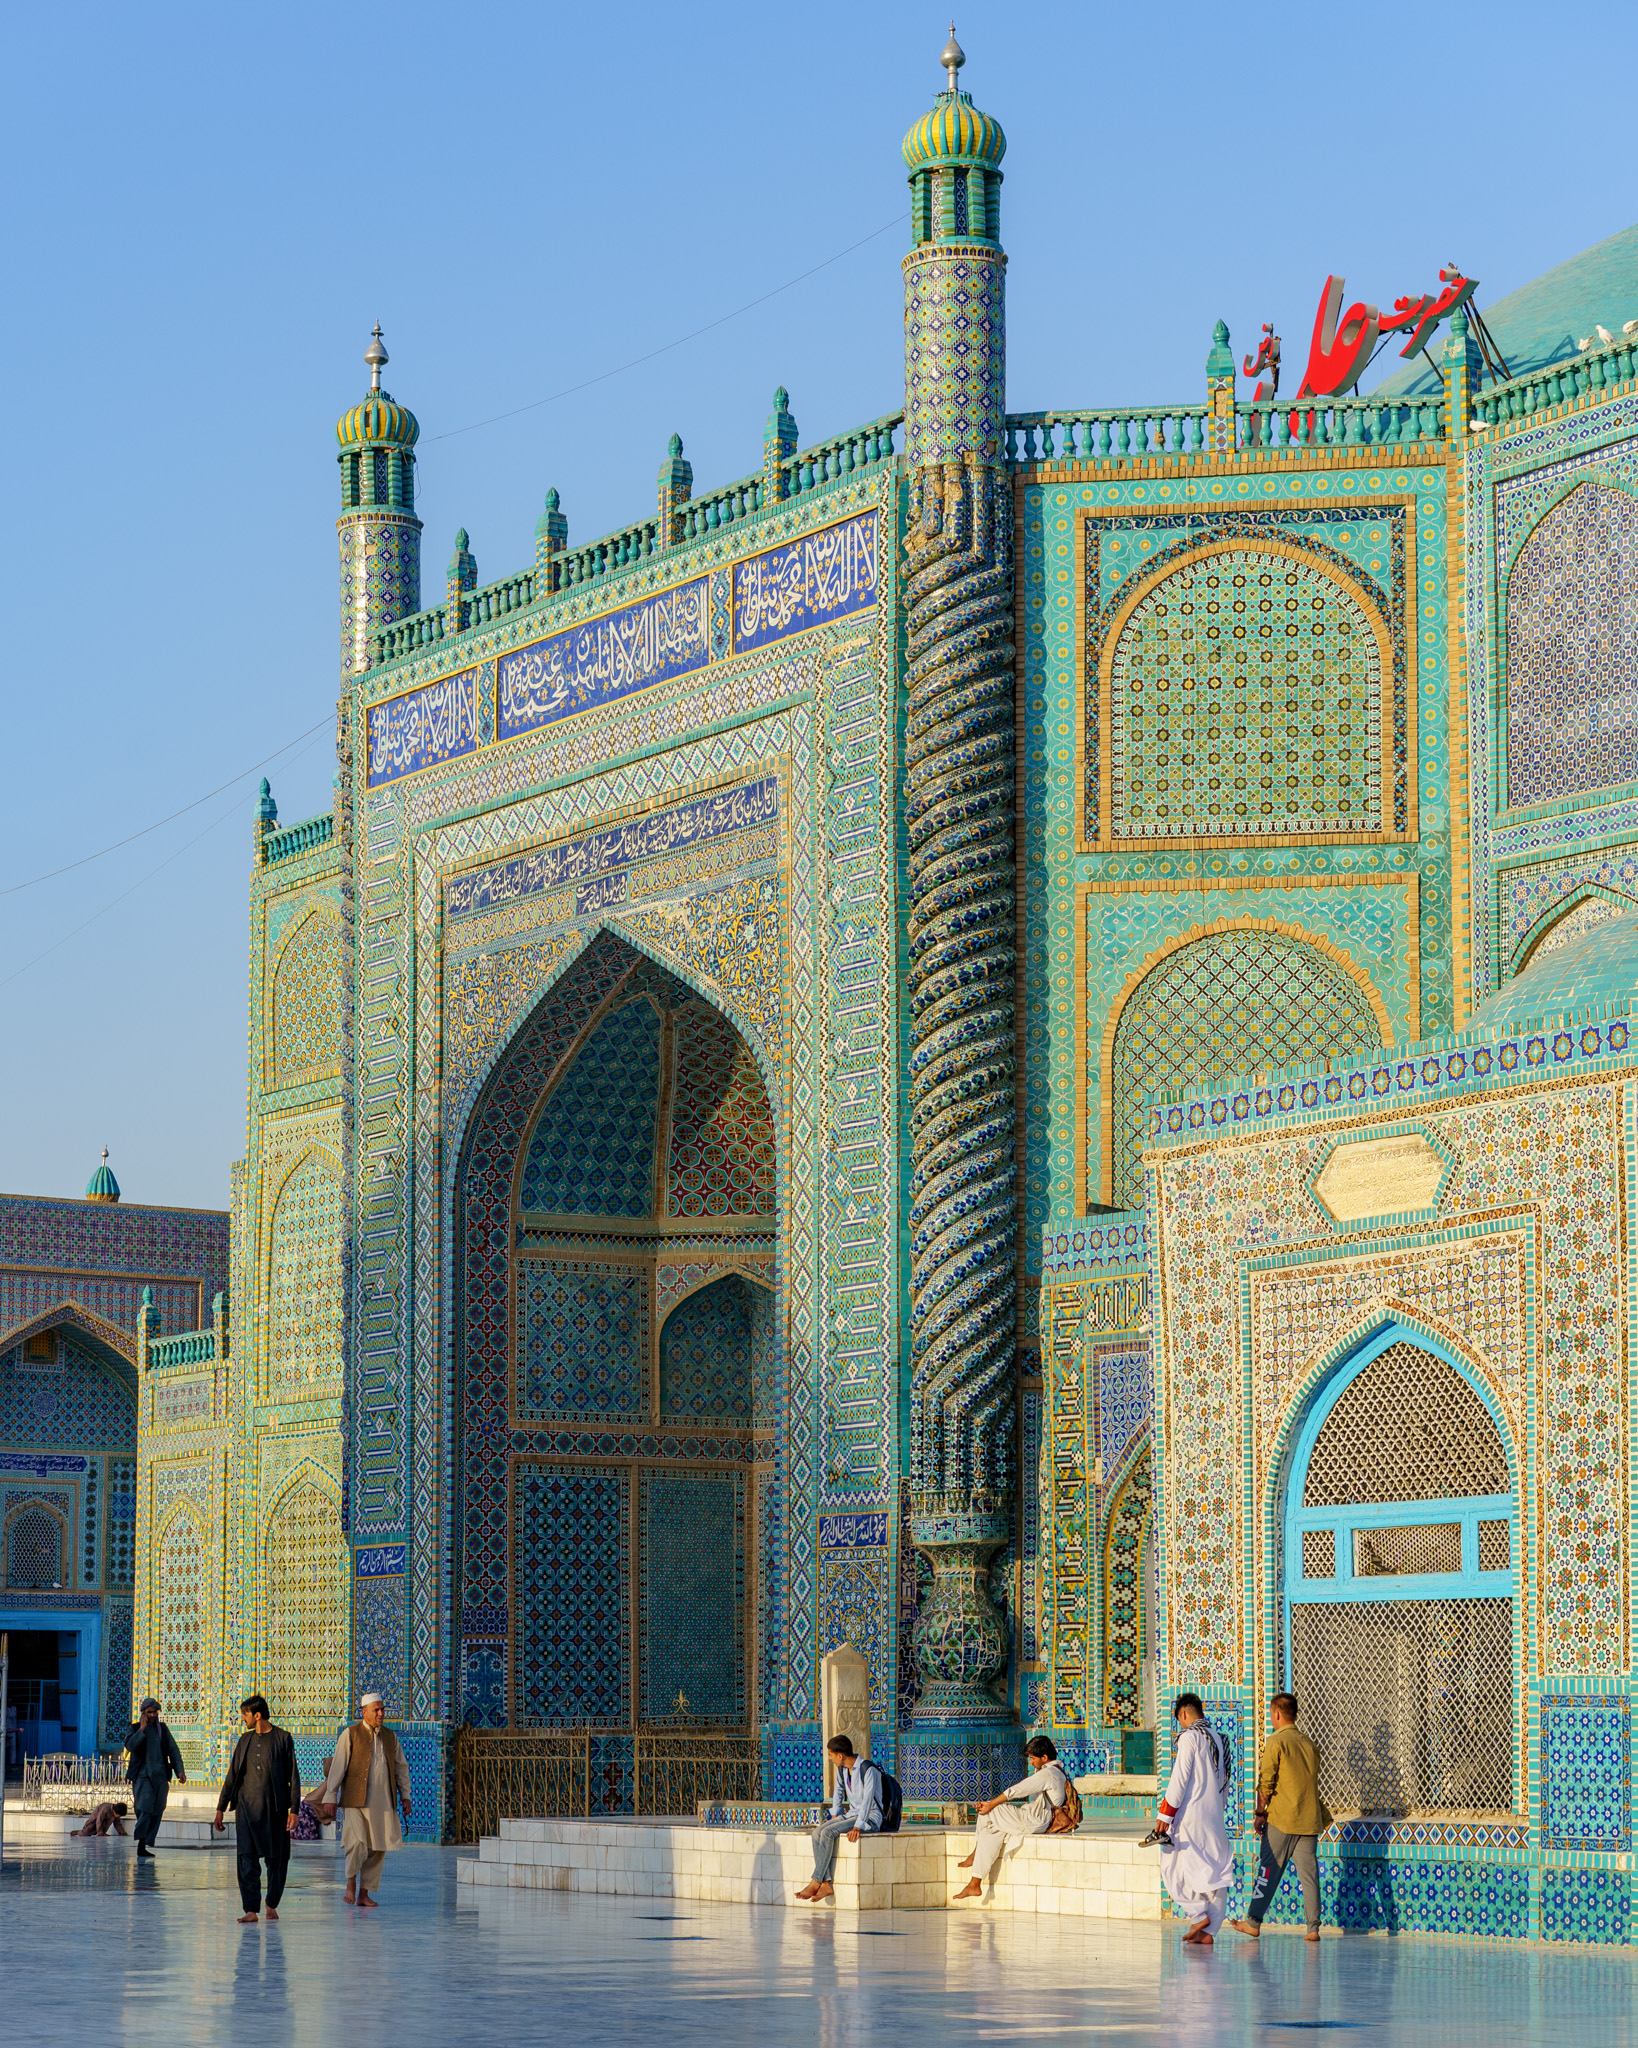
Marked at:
<point>1092,1874</point>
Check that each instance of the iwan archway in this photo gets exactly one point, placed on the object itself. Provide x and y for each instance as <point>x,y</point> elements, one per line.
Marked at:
<point>619,1370</point>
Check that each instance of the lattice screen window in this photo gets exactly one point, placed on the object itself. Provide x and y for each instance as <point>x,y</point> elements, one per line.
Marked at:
<point>1409,1427</point>
<point>304,1279</point>
<point>1409,1702</point>
<point>304,1655</point>
<point>35,1543</point>
<point>181,1588</point>
<point>1232,1004</point>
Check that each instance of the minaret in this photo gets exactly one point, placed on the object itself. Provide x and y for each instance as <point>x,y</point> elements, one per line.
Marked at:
<point>959,804</point>
<point>380,534</point>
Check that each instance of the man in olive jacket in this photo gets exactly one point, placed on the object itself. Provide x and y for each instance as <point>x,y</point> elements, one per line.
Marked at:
<point>1291,1817</point>
<point>153,1760</point>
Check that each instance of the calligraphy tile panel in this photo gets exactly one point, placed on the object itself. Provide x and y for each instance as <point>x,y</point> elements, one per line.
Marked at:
<point>822,576</point>
<point>648,642</point>
<point>423,727</point>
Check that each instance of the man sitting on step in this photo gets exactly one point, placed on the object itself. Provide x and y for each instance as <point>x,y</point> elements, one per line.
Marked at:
<point>855,1810</point>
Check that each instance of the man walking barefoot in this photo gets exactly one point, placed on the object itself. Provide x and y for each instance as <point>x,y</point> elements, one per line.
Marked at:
<point>264,1790</point>
<point>368,1779</point>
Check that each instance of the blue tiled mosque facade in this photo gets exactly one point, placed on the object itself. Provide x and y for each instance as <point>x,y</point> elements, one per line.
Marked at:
<point>742,1076</point>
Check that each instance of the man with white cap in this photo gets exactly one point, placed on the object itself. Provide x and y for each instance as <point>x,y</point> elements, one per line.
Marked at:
<point>368,1779</point>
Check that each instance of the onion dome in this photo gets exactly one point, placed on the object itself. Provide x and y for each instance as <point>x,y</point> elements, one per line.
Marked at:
<point>378,422</point>
<point>955,132</point>
<point>102,1186</point>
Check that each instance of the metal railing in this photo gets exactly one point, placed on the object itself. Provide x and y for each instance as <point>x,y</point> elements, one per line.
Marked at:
<point>546,1773</point>
<point>519,1774</point>
<point>61,1771</point>
<point>674,1773</point>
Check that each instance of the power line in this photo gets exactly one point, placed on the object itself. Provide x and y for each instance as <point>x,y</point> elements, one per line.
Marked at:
<point>115,901</point>
<point>34,881</point>
<point>620,368</point>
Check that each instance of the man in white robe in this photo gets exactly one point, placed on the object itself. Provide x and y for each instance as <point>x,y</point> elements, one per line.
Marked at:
<point>999,1821</point>
<point>1198,1865</point>
<point>369,1779</point>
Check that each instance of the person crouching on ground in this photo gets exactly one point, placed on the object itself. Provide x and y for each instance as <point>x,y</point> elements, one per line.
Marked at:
<point>1198,1865</point>
<point>999,1821</point>
<point>106,1819</point>
<point>1291,1817</point>
<point>369,1779</point>
<point>855,1810</point>
<point>264,1789</point>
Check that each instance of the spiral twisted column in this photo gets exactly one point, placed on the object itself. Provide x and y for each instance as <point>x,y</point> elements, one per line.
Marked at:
<point>959,812</point>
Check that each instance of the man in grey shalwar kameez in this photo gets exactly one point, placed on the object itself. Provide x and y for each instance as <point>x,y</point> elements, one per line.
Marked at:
<point>153,1759</point>
<point>368,1779</point>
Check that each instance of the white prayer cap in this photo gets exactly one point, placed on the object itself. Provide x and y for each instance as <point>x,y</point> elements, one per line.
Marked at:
<point>371,1699</point>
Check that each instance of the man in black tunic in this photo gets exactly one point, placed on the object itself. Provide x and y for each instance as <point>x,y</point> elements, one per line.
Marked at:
<point>263,1787</point>
<point>153,1759</point>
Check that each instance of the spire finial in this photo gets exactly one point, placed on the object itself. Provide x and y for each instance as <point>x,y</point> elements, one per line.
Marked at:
<point>376,356</point>
<point>952,57</point>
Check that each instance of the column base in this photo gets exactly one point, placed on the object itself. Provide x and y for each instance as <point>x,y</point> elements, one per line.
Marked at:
<point>968,1763</point>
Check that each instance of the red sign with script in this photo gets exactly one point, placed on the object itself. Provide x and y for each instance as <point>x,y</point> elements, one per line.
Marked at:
<point>1344,342</point>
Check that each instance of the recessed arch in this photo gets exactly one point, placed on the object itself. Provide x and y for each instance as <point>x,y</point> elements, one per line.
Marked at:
<point>1338,1010</point>
<point>179,1586</point>
<point>301,1273</point>
<point>305,1572</point>
<point>1581,910</point>
<point>1128,1525</point>
<point>307,994</point>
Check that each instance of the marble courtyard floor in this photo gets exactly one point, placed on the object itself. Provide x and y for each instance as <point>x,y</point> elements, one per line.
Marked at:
<point>95,1948</point>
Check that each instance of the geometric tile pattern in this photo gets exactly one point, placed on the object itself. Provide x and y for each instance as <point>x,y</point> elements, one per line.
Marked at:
<point>705,1351</point>
<point>1125,1378</point>
<point>691,1600</point>
<point>1246,698</point>
<point>304,1643</point>
<point>1586,1772</point>
<point>592,1153</point>
<point>1224,1006</point>
<point>309,988</point>
<point>585,1339</point>
<point>117,1649</point>
<point>1123,1598</point>
<point>1572,650</point>
<point>571,1643</point>
<point>378,1639</point>
<point>121,1550</point>
<point>306,1306</point>
<point>721,1153</point>
<point>35,1544</point>
<point>1586,1905</point>
<point>181,1572</point>
<point>1586,916</point>
<point>77,1403</point>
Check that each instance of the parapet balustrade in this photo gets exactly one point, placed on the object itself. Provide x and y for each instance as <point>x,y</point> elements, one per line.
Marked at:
<point>1154,433</point>
<point>809,470</point>
<point>294,839</point>
<point>192,1347</point>
<point>1591,374</point>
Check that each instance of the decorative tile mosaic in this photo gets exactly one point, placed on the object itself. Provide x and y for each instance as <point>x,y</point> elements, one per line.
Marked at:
<point>584,1340</point>
<point>706,1361</point>
<point>1246,697</point>
<point>180,1619</point>
<point>1586,1772</point>
<point>691,1601</point>
<point>305,1308</point>
<point>1586,1906</point>
<point>592,1149</point>
<point>1123,1596</point>
<point>571,1641</point>
<point>720,1156</point>
<point>304,1654</point>
<point>1572,650</point>
<point>309,992</point>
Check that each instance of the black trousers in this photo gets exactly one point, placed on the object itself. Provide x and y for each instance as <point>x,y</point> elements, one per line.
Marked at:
<point>275,1847</point>
<point>148,1797</point>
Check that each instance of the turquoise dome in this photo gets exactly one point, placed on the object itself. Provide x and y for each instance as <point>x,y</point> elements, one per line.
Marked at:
<point>102,1186</point>
<point>1594,968</point>
<point>955,132</point>
<point>1542,322</point>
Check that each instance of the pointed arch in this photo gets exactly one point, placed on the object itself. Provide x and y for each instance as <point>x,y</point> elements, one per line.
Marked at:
<point>1583,908</point>
<point>305,1560</point>
<point>1126,1527</point>
<point>180,1554</point>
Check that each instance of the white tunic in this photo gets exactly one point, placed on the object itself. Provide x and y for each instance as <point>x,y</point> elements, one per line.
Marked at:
<point>1200,1861</point>
<point>378,1816</point>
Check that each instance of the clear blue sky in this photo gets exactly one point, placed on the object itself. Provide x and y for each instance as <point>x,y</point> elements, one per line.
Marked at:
<point>207,207</point>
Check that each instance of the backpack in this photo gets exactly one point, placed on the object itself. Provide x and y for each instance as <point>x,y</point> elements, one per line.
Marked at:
<point>1066,1818</point>
<point>892,1802</point>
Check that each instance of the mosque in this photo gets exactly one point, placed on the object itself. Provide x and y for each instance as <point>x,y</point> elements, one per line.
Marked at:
<point>1006,1041</point>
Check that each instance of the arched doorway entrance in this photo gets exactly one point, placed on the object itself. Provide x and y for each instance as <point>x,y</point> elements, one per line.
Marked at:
<point>619,1368</point>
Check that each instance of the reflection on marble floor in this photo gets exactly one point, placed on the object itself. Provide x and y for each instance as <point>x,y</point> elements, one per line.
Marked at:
<point>96,1948</point>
